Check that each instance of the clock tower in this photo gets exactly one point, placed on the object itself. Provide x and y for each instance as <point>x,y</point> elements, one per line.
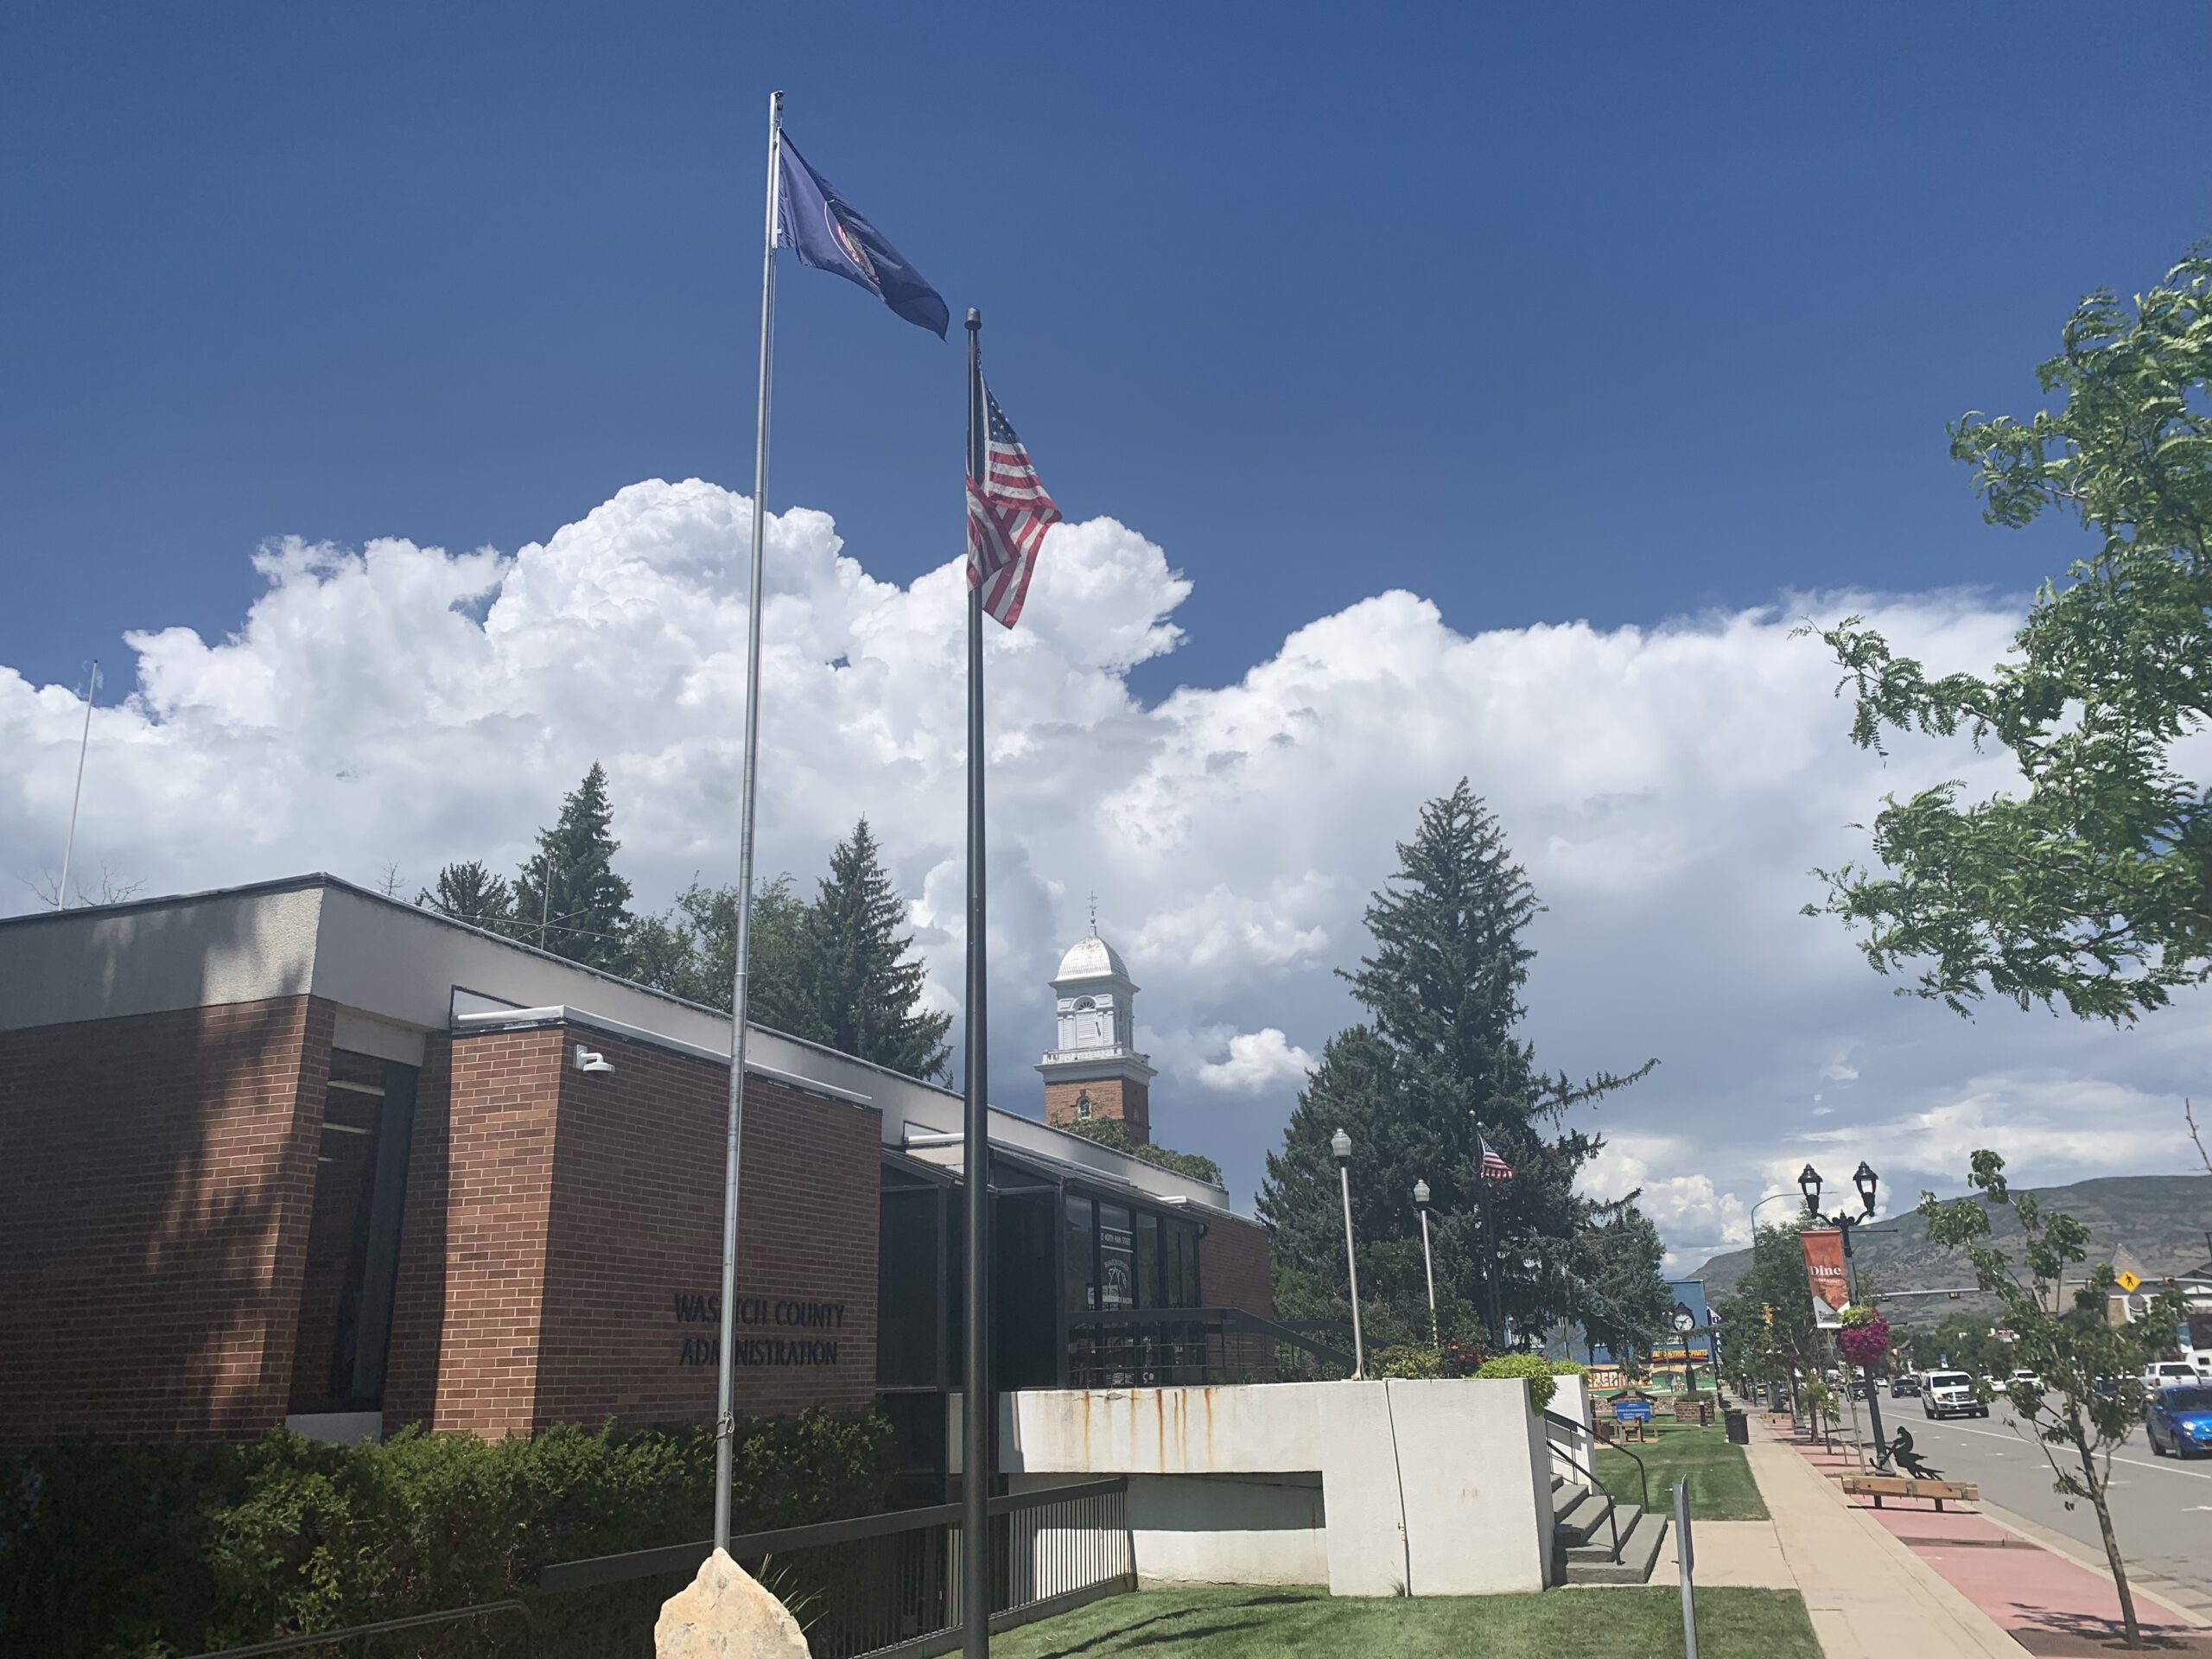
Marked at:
<point>1094,1070</point>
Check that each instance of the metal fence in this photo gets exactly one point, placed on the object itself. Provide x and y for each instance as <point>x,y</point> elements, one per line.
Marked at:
<point>886,1586</point>
<point>1152,1348</point>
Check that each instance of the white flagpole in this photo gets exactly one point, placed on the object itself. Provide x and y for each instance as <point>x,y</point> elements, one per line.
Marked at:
<point>91,690</point>
<point>725,1382</point>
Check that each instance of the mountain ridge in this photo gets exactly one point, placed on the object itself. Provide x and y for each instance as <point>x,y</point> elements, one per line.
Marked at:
<point>2160,1222</point>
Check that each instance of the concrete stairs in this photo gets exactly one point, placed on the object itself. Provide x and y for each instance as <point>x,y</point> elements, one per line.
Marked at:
<point>1582,1540</point>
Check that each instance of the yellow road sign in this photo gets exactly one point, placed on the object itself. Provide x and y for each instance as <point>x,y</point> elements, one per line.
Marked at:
<point>2130,1282</point>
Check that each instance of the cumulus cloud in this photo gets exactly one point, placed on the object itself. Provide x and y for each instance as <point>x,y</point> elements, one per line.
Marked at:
<point>1258,1063</point>
<point>1667,787</point>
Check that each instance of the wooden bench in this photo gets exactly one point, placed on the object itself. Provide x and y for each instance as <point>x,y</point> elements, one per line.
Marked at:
<point>1878,1487</point>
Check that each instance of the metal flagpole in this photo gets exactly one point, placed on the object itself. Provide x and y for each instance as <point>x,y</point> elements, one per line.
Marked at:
<point>726,1375</point>
<point>91,690</point>
<point>977,1453</point>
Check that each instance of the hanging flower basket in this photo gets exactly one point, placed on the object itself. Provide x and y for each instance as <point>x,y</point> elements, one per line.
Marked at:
<point>1865,1341</point>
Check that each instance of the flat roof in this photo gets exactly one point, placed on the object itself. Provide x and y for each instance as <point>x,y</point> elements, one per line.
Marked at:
<point>393,968</point>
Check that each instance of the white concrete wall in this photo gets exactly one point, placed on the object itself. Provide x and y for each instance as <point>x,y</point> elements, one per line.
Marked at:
<point>1228,1529</point>
<point>1571,1400</point>
<point>105,962</point>
<point>1435,1488</point>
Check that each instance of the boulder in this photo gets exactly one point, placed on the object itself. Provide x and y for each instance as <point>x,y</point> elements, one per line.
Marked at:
<point>724,1614</point>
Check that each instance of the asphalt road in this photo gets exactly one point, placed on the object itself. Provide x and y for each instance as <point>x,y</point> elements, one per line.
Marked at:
<point>2161,1507</point>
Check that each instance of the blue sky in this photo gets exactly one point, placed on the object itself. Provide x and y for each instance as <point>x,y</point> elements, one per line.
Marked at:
<point>1614,312</point>
<point>1629,314</point>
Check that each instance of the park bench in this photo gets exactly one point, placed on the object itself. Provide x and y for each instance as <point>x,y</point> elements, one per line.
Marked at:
<point>1878,1487</point>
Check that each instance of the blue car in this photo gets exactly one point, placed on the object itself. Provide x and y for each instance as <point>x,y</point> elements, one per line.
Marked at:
<point>2178,1418</point>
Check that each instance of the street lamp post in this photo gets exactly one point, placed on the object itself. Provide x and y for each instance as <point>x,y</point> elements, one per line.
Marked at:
<point>1427,1260</point>
<point>1340,1147</point>
<point>1868,1183</point>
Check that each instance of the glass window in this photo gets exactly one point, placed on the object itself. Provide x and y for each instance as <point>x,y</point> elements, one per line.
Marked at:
<point>1116,1257</point>
<point>1081,1291</point>
<point>906,1286</point>
<point>1148,1281</point>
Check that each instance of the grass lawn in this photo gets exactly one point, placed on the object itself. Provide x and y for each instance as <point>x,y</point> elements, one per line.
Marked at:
<point>1260,1622</point>
<point>1721,1488</point>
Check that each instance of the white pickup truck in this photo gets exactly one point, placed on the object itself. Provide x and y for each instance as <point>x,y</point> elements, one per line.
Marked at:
<point>1949,1394</point>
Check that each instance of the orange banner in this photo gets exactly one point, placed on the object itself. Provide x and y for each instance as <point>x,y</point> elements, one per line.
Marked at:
<point>1824,1273</point>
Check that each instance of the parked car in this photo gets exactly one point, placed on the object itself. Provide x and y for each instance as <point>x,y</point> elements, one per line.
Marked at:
<point>1950,1393</point>
<point>2159,1373</point>
<point>1859,1387</point>
<point>2177,1419</point>
<point>1905,1387</point>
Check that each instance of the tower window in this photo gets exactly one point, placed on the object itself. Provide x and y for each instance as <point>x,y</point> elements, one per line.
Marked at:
<point>1083,1004</point>
<point>1082,1106</point>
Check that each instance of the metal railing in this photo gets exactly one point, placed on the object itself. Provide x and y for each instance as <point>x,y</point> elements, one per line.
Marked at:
<point>1577,1432</point>
<point>361,1639</point>
<point>883,1586</point>
<point>1192,1347</point>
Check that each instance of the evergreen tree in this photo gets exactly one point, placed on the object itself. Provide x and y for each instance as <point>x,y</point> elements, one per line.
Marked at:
<point>857,986</point>
<point>468,892</point>
<point>1437,1064</point>
<point>569,897</point>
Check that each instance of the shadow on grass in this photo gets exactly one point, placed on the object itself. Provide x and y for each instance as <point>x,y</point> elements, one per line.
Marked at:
<point>1126,1635</point>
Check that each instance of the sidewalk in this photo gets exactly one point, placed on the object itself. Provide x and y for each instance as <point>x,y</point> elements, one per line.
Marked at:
<point>2031,1598</point>
<point>1869,1597</point>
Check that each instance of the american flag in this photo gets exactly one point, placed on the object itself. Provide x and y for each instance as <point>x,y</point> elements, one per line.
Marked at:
<point>1494,1168</point>
<point>1007,517</point>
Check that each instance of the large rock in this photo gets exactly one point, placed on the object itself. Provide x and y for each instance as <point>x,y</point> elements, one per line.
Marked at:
<point>724,1614</point>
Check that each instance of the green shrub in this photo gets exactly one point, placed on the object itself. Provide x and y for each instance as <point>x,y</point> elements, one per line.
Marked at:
<point>1414,1359</point>
<point>1569,1367</point>
<point>111,1550</point>
<point>1535,1367</point>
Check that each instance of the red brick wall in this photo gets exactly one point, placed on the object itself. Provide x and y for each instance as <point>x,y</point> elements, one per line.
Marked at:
<point>471,1287</point>
<point>638,1223</point>
<point>540,1269</point>
<point>156,1175</point>
<point>1233,1267</point>
<point>1125,1098</point>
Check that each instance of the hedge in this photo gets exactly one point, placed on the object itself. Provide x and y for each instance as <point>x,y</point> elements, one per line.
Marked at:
<point>148,1551</point>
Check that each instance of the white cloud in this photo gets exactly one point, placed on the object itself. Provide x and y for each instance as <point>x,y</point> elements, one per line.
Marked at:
<point>1262,1062</point>
<point>1667,789</point>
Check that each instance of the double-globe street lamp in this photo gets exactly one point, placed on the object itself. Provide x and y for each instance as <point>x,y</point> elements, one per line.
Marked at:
<point>1868,1182</point>
<point>1340,1147</point>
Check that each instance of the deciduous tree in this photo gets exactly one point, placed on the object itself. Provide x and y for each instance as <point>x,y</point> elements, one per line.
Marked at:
<point>2090,885</point>
<point>2084,1398</point>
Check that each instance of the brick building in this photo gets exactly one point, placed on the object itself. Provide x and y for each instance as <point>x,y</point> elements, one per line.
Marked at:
<point>298,1153</point>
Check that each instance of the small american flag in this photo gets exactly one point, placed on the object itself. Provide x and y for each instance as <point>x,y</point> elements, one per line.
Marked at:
<point>1494,1168</point>
<point>1007,516</point>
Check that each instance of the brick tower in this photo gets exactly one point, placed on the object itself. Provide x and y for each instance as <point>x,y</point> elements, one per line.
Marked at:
<point>1095,1071</point>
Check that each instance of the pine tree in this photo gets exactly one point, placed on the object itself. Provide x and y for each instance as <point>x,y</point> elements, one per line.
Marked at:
<point>569,897</point>
<point>857,988</point>
<point>468,892</point>
<point>1437,1064</point>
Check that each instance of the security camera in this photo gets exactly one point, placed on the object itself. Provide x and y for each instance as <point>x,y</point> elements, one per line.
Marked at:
<point>590,1060</point>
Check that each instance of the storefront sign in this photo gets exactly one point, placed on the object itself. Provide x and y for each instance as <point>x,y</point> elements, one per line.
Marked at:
<point>1824,1275</point>
<point>798,1328</point>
